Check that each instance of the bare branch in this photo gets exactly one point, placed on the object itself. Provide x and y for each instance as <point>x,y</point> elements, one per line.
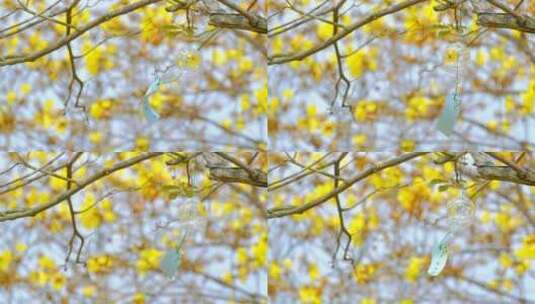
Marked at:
<point>28,212</point>
<point>238,22</point>
<point>504,20</point>
<point>11,60</point>
<point>289,210</point>
<point>284,58</point>
<point>239,175</point>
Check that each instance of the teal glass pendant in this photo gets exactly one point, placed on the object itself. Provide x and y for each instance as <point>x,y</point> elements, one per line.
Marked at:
<point>439,256</point>
<point>448,116</point>
<point>150,114</point>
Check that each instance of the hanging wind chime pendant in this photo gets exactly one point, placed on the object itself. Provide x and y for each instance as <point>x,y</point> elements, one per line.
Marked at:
<point>452,106</point>
<point>449,114</point>
<point>439,256</point>
<point>460,214</point>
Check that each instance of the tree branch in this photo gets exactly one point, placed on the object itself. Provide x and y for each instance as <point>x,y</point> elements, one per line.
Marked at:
<point>507,173</point>
<point>28,212</point>
<point>284,58</point>
<point>239,175</point>
<point>289,210</point>
<point>238,22</point>
<point>11,60</point>
<point>504,20</point>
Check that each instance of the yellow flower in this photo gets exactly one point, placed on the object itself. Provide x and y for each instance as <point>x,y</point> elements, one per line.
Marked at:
<point>96,213</point>
<point>287,263</point>
<point>6,257</point>
<point>39,278</point>
<point>241,255</point>
<point>57,281</point>
<point>506,222</point>
<point>528,97</point>
<point>527,251</point>
<point>142,144</point>
<point>365,111</point>
<point>309,295</point>
<point>259,251</point>
<point>21,247</point>
<point>407,145</point>
<point>451,55</point>
<point>505,260</point>
<point>89,291</point>
<point>95,137</point>
<point>497,53</point>
<point>47,264</point>
<point>149,259</point>
<point>277,45</point>
<point>245,64</point>
<point>11,97</point>
<point>101,109</point>
<point>359,140</point>
<point>313,272</point>
<point>414,268</point>
<point>274,272</point>
<point>324,30</point>
<point>417,20</point>
<point>139,298</point>
<point>154,19</point>
<point>522,266</point>
<point>387,178</point>
<point>376,27</point>
<point>245,102</point>
<point>219,57</point>
<point>261,96</point>
<point>100,264</point>
<point>412,197</point>
<point>417,107</point>
<point>362,61</point>
<point>485,216</point>
<point>364,273</point>
<point>481,57</point>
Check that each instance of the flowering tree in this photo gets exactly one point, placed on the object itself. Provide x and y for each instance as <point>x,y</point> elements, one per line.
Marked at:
<point>361,227</point>
<point>86,227</point>
<point>375,75</point>
<point>74,73</point>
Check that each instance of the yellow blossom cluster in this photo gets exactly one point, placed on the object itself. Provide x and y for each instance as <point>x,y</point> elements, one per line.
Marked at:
<point>149,259</point>
<point>362,60</point>
<point>415,267</point>
<point>362,223</point>
<point>94,213</point>
<point>366,110</point>
<point>418,106</point>
<point>100,264</point>
<point>101,109</point>
<point>49,273</point>
<point>365,272</point>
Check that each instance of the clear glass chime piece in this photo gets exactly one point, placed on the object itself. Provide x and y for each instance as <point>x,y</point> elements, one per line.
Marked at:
<point>460,212</point>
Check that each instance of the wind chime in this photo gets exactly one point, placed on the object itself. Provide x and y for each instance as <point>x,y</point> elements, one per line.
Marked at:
<point>171,73</point>
<point>460,214</point>
<point>450,112</point>
<point>188,217</point>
